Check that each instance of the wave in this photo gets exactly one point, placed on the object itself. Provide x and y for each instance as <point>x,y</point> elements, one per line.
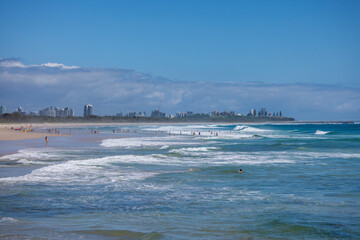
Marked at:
<point>244,128</point>
<point>34,156</point>
<point>183,128</point>
<point>193,151</point>
<point>319,132</point>
<point>7,219</point>
<point>239,127</point>
<point>89,171</point>
<point>144,142</point>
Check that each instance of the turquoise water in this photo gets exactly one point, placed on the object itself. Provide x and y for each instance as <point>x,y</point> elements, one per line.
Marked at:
<point>299,182</point>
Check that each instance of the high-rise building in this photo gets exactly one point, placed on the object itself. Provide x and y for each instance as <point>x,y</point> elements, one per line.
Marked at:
<point>88,110</point>
<point>2,109</point>
<point>158,114</point>
<point>69,112</point>
<point>57,112</point>
<point>252,113</point>
<point>50,111</point>
<point>20,110</point>
<point>262,112</point>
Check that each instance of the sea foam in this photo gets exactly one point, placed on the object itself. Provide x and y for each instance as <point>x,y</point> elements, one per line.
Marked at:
<point>319,132</point>
<point>144,142</point>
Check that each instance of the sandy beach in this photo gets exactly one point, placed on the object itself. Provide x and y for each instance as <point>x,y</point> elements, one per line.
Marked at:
<point>8,132</point>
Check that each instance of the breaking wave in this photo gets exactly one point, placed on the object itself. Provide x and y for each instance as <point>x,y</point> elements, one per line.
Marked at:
<point>319,132</point>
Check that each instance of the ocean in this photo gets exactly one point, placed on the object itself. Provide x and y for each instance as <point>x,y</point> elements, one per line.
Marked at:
<point>299,181</point>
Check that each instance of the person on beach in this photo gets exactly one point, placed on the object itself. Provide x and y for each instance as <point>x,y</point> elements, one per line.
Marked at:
<point>240,171</point>
<point>46,140</point>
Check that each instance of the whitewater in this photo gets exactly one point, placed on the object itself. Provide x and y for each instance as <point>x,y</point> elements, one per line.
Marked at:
<point>299,181</point>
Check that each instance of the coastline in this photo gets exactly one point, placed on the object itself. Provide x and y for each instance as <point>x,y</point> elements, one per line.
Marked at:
<point>7,132</point>
<point>11,140</point>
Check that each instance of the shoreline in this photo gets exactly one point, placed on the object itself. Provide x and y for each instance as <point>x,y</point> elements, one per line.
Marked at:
<point>7,132</point>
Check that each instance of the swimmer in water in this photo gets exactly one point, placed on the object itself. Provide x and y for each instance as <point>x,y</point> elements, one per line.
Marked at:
<point>240,171</point>
<point>46,140</point>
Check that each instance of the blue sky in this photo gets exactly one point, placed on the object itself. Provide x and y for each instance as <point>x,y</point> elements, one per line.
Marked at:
<point>301,57</point>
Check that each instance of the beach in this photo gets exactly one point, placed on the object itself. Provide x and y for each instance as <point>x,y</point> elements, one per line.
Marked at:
<point>6,133</point>
<point>181,181</point>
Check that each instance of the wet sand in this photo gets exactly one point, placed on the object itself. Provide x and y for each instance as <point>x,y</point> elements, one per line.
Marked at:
<point>7,133</point>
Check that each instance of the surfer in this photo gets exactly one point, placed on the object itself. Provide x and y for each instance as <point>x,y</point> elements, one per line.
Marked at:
<point>240,171</point>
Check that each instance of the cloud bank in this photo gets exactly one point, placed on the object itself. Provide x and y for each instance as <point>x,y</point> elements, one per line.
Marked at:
<point>38,86</point>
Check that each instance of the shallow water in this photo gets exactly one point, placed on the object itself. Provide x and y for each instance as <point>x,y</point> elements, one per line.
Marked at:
<point>299,182</point>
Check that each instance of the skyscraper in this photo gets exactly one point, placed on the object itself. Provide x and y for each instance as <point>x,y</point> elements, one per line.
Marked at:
<point>69,112</point>
<point>2,109</point>
<point>88,110</point>
<point>20,110</point>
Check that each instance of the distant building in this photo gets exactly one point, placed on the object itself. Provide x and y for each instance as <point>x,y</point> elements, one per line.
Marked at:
<point>252,113</point>
<point>227,114</point>
<point>132,114</point>
<point>88,110</point>
<point>262,112</point>
<point>135,114</point>
<point>50,111</point>
<point>20,110</point>
<point>215,113</point>
<point>158,114</point>
<point>57,112</point>
<point>68,112</point>
<point>65,112</point>
<point>2,109</point>
<point>141,114</point>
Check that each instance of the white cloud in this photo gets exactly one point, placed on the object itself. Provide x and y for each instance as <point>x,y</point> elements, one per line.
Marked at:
<point>14,63</point>
<point>58,65</point>
<point>159,95</point>
<point>8,63</point>
<point>109,90</point>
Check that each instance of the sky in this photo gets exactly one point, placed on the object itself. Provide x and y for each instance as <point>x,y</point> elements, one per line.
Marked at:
<point>300,57</point>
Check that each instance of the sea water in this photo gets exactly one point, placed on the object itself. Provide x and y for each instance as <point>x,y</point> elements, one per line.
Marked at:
<point>299,181</point>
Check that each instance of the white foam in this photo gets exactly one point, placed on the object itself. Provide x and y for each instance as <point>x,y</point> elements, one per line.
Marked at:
<point>325,155</point>
<point>34,156</point>
<point>182,128</point>
<point>90,171</point>
<point>239,127</point>
<point>193,151</point>
<point>145,142</point>
<point>319,132</point>
<point>8,219</point>
<point>249,129</point>
<point>249,159</point>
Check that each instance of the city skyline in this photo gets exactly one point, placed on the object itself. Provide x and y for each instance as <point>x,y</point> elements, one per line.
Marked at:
<point>53,111</point>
